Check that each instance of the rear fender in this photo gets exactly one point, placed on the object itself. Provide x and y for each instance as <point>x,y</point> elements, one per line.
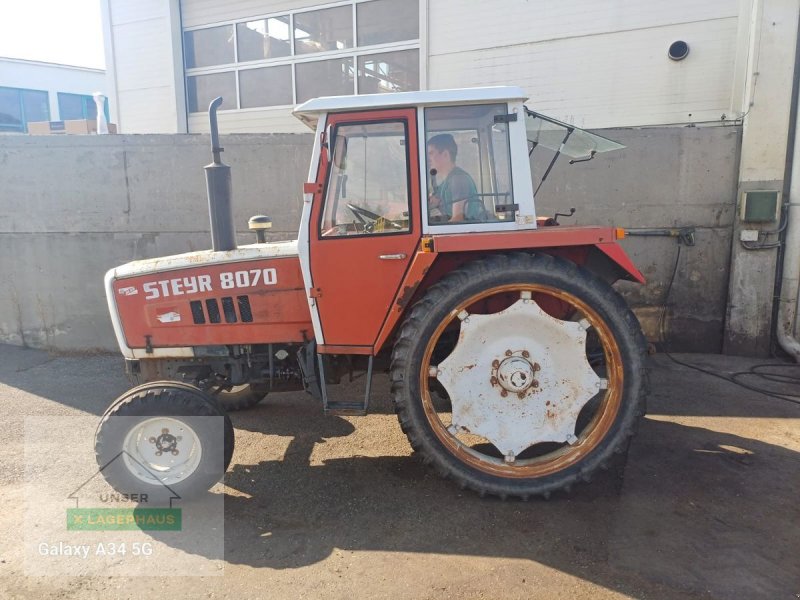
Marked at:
<point>608,261</point>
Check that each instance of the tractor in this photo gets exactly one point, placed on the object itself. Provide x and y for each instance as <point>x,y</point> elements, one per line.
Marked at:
<point>516,369</point>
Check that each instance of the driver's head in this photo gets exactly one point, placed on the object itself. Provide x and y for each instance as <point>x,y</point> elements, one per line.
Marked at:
<point>442,152</point>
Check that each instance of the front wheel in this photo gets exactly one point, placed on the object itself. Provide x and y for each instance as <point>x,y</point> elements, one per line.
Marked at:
<point>519,375</point>
<point>164,440</point>
<point>240,397</point>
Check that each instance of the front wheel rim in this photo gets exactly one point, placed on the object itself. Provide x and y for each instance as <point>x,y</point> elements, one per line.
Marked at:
<point>162,450</point>
<point>585,441</point>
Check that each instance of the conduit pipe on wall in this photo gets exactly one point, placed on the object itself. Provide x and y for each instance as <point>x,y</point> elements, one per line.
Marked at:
<point>788,301</point>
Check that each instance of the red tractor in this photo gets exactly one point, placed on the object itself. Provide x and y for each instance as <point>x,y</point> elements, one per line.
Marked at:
<point>515,368</point>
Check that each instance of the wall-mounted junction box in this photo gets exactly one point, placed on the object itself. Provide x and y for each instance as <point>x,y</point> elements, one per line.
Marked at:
<point>760,206</point>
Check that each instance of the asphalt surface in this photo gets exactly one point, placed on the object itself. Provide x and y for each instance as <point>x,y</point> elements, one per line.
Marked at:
<point>705,506</point>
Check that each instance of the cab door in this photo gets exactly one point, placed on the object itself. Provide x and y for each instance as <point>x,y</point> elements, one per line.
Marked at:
<point>366,229</point>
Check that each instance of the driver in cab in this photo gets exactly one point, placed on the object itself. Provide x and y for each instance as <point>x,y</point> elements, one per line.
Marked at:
<point>454,197</point>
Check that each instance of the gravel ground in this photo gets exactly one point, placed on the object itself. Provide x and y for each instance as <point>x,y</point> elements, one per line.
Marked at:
<point>705,507</point>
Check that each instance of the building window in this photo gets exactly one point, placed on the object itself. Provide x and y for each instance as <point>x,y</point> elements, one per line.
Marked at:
<point>19,107</point>
<point>268,86</point>
<point>264,38</point>
<point>323,30</point>
<point>361,47</point>
<point>78,107</point>
<point>324,78</point>
<point>388,72</point>
<point>202,89</point>
<point>384,21</point>
<point>209,47</point>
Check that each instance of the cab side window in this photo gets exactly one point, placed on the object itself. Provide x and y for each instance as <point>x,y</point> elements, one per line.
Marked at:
<point>367,188</point>
<point>469,164</point>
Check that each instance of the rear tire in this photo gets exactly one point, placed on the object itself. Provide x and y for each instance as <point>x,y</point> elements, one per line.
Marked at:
<point>157,439</point>
<point>430,337</point>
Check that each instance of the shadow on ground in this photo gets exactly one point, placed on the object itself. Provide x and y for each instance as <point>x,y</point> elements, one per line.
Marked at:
<point>698,512</point>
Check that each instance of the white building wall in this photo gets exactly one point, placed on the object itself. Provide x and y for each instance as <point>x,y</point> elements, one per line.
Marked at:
<point>51,78</point>
<point>143,53</point>
<point>593,63</point>
<point>597,63</point>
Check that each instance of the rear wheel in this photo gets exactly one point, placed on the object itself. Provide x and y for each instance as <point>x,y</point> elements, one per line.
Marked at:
<point>164,439</point>
<point>519,375</point>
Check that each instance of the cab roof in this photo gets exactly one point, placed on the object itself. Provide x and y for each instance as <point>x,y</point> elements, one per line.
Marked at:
<point>309,111</point>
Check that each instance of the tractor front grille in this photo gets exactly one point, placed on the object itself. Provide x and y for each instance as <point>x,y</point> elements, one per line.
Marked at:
<point>229,310</point>
<point>244,309</point>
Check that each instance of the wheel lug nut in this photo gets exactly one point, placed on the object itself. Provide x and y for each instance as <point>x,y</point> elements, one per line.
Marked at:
<point>504,393</point>
<point>520,395</point>
<point>535,383</point>
<point>526,354</point>
<point>495,363</point>
<point>494,380</point>
<point>536,367</point>
<point>508,352</point>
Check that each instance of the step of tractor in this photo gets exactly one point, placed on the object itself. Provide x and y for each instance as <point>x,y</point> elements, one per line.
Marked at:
<point>345,409</point>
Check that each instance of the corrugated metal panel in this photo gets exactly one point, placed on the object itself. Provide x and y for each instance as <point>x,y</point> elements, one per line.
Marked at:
<point>459,26</point>
<point>143,64</point>
<point>148,110</point>
<point>610,80</point>
<point>203,12</point>
<point>269,120</point>
<point>125,11</point>
<point>143,54</point>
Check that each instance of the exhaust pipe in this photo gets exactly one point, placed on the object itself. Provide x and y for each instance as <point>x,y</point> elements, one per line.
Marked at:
<point>218,185</point>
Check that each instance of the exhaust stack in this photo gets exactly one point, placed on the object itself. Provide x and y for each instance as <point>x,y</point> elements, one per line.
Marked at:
<point>218,184</point>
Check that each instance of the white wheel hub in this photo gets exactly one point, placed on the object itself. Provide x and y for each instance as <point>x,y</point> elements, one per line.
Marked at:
<point>518,377</point>
<point>516,374</point>
<point>162,450</point>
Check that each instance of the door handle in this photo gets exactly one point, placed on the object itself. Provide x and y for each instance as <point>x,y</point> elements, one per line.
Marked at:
<point>392,256</point>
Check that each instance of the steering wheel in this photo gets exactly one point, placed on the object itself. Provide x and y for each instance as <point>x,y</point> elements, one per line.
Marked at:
<point>360,213</point>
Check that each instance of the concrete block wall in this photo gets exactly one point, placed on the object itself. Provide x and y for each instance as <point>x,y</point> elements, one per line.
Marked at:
<point>665,178</point>
<point>73,207</point>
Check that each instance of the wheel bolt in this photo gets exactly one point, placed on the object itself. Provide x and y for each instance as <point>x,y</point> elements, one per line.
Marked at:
<point>526,354</point>
<point>504,393</point>
<point>536,367</point>
<point>495,363</point>
<point>520,395</point>
<point>535,383</point>
<point>493,380</point>
<point>508,352</point>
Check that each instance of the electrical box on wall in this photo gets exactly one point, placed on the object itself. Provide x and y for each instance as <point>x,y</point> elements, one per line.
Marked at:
<point>760,206</point>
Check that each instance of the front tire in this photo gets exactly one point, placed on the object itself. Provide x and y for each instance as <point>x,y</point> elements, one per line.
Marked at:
<point>239,397</point>
<point>478,415</point>
<point>164,439</point>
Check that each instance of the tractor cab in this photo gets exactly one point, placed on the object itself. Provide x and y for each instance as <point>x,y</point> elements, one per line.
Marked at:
<point>433,162</point>
<point>393,173</point>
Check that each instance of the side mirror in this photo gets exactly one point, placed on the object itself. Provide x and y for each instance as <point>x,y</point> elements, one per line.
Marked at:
<point>340,153</point>
<point>325,146</point>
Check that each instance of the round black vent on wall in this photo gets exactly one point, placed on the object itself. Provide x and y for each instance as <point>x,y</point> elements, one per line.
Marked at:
<point>678,50</point>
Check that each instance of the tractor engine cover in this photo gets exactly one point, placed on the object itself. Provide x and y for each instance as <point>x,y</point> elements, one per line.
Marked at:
<point>210,298</point>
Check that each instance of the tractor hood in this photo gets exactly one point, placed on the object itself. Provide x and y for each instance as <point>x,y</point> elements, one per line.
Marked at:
<point>171,306</point>
<point>204,257</point>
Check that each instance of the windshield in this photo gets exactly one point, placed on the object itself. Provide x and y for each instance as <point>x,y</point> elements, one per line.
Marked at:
<point>564,138</point>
